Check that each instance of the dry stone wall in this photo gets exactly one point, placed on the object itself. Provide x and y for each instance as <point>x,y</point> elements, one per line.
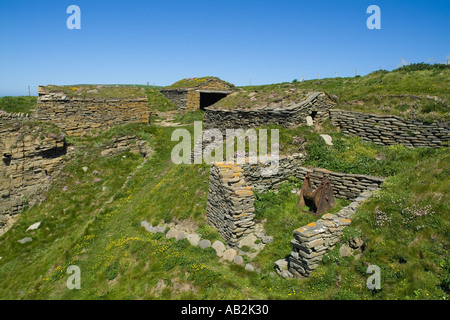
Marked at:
<point>345,185</point>
<point>314,240</point>
<point>29,159</point>
<point>316,104</point>
<point>389,130</point>
<point>77,115</point>
<point>230,206</point>
<point>287,167</point>
<point>193,100</point>
<point>179,97</point>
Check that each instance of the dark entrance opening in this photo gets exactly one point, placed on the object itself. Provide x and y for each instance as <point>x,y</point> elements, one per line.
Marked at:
<point>7,159</point>
<point>209,98</point>
<point>313,114</point>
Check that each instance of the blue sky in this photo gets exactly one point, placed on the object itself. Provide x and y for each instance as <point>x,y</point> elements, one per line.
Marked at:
<point>267,41</point>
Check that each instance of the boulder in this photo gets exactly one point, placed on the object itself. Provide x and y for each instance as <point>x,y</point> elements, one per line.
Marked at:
<point>286,274</point>
<point>238,260</point>
<point>159,229</point>
<point>193,239</point>
<point>249,267</point>
<point>281,264</point>
<point>25,240</point>
<point>34,226</point>
<point>3,220</point>
<point>145,224</point>
<point>172,233</point>
<point>181,235</point>
<point>204,244</point>
<point>229,254</point>
<point>267,239</point>
<point>328,140</point>
<point>345,251</point>
<point>219,247</point>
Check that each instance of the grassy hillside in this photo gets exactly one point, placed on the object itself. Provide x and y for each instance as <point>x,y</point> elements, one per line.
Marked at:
<point>91,218</point>
<point>406,92</point>
<point>121,261</point>
<point>18,104</point>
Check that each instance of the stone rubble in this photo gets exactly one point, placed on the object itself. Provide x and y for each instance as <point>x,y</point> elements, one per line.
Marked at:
<point>222,251</point>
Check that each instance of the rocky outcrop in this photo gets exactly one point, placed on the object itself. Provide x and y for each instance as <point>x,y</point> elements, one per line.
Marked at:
<point>30,158</point>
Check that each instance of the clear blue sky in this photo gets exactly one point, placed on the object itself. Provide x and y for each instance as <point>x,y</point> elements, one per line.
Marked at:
<point>140,41</point>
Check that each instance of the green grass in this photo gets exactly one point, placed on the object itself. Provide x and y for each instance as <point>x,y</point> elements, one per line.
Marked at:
<point>99,91</point>
<point>18,104</point>
<point>261,97</point>
<point>195,82</point>
<point>158,102</point>
<point>189,117</point>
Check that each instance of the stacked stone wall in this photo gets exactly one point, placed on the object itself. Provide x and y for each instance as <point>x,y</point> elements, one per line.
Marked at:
<point>314,240</point>
<point>76,115</point>
<point>178,97</point>
<point>390,130</point>
<point>193,100</point>
<point>316,104</point>
<point>230,206</point>
<point>345,185</point>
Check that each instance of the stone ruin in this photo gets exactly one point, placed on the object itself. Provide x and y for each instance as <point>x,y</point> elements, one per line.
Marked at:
<point>230,207</point>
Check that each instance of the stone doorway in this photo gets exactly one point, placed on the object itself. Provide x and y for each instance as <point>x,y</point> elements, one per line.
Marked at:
<point>208,98</point>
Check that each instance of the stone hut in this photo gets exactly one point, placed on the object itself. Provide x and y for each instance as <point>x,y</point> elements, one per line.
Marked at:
<point>197,93</point>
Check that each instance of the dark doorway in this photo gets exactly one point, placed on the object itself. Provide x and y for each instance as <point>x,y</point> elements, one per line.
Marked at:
<point>313,114</point>
<point>209,98</point>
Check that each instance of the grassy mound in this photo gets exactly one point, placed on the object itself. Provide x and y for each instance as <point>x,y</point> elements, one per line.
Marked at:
<point>196,82</point>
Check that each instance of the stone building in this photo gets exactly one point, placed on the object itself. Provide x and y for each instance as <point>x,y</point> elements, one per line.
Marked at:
<point>197,93</point>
